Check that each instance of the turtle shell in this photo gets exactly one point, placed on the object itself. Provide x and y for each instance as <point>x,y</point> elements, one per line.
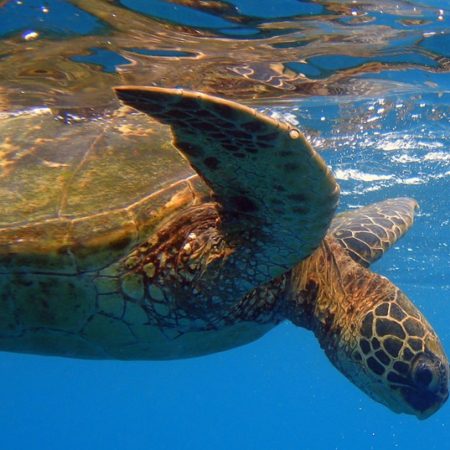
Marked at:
<point>81,196</point>
<point>76,192</point>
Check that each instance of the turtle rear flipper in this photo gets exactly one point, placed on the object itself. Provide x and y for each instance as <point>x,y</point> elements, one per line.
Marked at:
<point>264,174</point>
<point>366,233</point>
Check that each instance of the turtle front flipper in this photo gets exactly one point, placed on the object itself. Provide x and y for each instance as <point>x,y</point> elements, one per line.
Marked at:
<point>275,196</point>
<point>366,233</point>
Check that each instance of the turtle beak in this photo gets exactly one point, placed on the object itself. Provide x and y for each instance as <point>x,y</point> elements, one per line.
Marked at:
<point>425,405</point>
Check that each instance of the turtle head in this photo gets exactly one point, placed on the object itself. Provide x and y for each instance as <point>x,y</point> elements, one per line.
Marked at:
<point>370,331</point>
<point>368,328</point>
<point>398,359</point>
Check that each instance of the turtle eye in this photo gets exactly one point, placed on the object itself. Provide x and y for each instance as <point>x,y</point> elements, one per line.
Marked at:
<point>425,374</point>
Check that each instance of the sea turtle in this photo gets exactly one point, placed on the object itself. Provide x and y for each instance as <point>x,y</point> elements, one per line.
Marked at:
<point>111,246</point>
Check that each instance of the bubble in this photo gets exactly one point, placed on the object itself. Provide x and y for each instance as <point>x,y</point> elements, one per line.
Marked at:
<point>30,35</point>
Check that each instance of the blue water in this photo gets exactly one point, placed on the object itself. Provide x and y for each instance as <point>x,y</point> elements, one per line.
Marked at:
<point>369,83</point>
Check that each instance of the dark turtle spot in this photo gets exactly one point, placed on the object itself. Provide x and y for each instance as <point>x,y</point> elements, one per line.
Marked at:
<point>241,135</point>
<point>264,145</point>
<point>206,126</point>
<point>385,327</point>
<point>230,146</point>
<point>224,124</point>
<point>375,343</point>
<point>396,312</point>
<point>279,188</point>
<point>184,123</point>
<point>382,310</point>
<point>286,153</point>
<point>218,135</point>
<point>211,163</point>
<point>268,137</point>
<point>414,327</point>
<point>223,110</point>
<point>366,326</point>
<point>297,197</point>
<point>179,113</point>
<point>189,104</point>
<point>398,221</point>
<point>244,137</point>
<point>249,149</point>
<point>243,203</point>
<point>408,355</point>
<point>401,367</point>
<point>369,238</point>
<point>255,126</point>
<point>205,114</point>
<point>358,246</point>
<point>157,103</point>
<point>379,231</point>
<point>239,155</point>
<point>375,366</point>
<point>387,224</point>
<point>357,356</point>
<point>392,346</point>
<point>39,71</point>
<point>300,210</point>
<point>365,346</point>
<point>383,357</point>
<point>395,378</point>
<point>291,167</point>
<point>415,344</point>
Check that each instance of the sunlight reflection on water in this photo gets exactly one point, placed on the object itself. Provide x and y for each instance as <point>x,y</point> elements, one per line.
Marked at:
<point>246,50</point>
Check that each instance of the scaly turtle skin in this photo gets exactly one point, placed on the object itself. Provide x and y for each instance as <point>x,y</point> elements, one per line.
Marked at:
<point>112,249</point>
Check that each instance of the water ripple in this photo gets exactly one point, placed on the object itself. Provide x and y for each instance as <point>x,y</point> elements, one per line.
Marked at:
<point>54,53</point>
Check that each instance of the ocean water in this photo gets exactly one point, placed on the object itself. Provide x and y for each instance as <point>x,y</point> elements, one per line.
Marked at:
<point>369,84</point>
